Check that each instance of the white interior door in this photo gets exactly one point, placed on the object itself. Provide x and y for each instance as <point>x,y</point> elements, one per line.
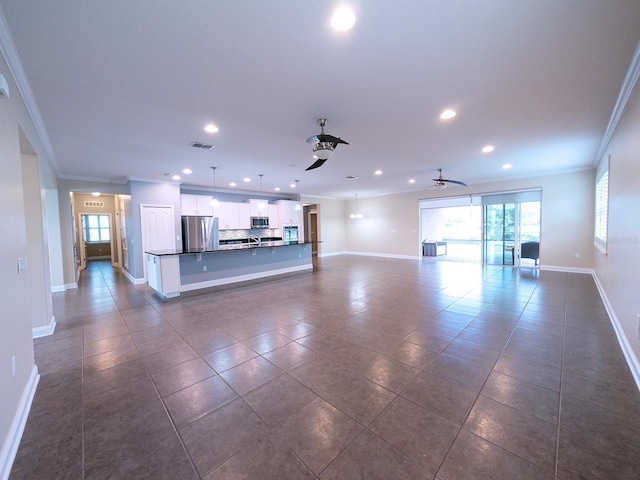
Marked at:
<point>158,230</point>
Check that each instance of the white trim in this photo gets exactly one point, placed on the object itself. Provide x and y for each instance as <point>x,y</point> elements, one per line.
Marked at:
<point>555,268</point>
<point>71,286</point>
<point>384,255</point>
<point>37,332</point>
<point>135,281</point>
<point>57,288</point>
<point>12,441</point>
<point>331,254</point>
<point>629,83</point>
<point>243,278</point>
<point>632,360</point>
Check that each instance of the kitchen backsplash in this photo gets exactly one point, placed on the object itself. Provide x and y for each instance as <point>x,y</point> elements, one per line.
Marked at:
<point>241,234</point>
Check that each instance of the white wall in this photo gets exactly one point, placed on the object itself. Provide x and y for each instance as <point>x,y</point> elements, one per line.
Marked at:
<point>55,246</point>
<point>391,222</point>
<point>619,270</point>
<point>331,224</point>
<point>15,323</point>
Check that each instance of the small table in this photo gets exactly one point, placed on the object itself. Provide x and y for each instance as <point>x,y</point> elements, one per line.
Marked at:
<point>433,249</point>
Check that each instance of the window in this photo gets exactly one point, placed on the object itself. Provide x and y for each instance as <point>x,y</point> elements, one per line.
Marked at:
<point>96,228</point>
<point>602,206</point>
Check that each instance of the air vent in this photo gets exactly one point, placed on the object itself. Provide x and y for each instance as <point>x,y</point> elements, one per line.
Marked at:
<point>94,204</point>
<point>205,146</point>
<point>351,177</point>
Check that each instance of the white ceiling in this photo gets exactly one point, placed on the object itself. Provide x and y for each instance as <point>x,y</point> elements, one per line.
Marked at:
<point>125,86</point>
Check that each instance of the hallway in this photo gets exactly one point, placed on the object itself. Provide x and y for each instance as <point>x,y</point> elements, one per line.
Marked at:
<point>366,368</point>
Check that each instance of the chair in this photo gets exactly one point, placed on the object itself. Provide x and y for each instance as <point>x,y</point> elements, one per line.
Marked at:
<point>530,250</point>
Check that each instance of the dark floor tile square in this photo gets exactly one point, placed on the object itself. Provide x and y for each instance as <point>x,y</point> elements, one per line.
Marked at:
<point>229,357</point>
<point>182,376</point>
<point>441,397</point>
<point>192,403</point>
<point>278,399</point>
<point>530,371</point>
<point>416,432</point>
<point>361,399</point>
<point>391,374</point>
<point>459,370</point>
<point>216,437</point>
<point>368,457</point>
<point>473,458</point>
<point>517,432</point>
<point>290,356</point>
<point>317,434</point>
<point>266,459</point>
<point>251,374</point>
<point>528,397</point>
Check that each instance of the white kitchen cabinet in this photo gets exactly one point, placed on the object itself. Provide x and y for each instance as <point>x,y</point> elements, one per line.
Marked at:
<point>255,209</point>
<point>163,272</point>
<point>232,216</point>
<point>274,217</point>
<point>196,205</point>
<point>288,215</point>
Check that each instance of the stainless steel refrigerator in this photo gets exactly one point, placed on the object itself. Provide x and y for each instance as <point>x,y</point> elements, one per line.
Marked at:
<point>200,234</point>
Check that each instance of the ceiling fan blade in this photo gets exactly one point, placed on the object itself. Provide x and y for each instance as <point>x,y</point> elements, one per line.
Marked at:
<point>313,139</point>
<point>457,182</point>
<point>316,164</point>
<point>330,139</point>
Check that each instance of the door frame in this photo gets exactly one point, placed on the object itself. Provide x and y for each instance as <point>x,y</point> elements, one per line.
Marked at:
<point>82,250</point>
<point>144,240</point>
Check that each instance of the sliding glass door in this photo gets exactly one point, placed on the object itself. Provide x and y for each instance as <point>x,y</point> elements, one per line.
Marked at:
<point>511,229</point>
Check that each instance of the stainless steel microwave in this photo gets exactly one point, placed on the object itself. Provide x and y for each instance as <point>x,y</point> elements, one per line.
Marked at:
<point>259,222</point>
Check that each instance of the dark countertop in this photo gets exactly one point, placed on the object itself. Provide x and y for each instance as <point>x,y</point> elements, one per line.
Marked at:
<point>230,247</point>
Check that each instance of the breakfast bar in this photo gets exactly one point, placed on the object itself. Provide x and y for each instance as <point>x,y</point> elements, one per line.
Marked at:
<point>172,272</point>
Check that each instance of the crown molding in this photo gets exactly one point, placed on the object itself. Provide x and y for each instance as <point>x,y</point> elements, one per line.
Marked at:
<point>10,54</point>
<point>630,81</point>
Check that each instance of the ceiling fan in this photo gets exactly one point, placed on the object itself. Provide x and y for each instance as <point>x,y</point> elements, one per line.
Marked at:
<point>323,145</point>
<point>442,182</point>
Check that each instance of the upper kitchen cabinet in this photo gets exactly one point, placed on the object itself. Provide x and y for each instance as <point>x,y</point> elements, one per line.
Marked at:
<point>287,213</point>
<point>258,208</point>
<point>196,205</point>
<point>232,216</point>
<point>274,216</point>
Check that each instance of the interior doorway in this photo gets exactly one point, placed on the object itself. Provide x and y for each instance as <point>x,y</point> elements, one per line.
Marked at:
<point>95,237</point>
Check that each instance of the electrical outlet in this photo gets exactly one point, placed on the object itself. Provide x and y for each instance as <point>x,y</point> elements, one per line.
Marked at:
<point>204,268</point>
<point>577,255</point>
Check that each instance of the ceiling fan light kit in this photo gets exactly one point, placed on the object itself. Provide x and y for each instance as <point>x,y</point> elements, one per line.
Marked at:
<point>441,182</point>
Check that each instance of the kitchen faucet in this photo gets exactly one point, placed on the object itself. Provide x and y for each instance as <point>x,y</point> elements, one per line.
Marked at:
<point>257,240</point>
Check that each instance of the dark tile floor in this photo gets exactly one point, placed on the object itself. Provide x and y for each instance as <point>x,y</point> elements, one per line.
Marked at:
<point>366,368</point>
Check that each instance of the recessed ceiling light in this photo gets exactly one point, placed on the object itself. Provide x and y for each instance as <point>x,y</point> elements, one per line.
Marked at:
<point>277,189</point>
<point>232,184</point>
<point>187,171</point>
<point>211,128</point>
<point>95,194</point>
<point>343,19</point>
<point>378,172</point>
<point>447,114</point>
<point>246,179</point>
<point>176,177</point>
<point>412,180</point>
<point>292,185</point>
<point>488,149</point>
<point>507,166</point>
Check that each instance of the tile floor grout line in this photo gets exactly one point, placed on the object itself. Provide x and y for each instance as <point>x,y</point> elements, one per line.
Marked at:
<point>564,342</point>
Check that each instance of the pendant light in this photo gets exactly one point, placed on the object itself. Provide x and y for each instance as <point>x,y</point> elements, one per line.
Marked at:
<point>261,205</point>
<point>214,200</point>
<point>356,214</point>
<point>298,206</point>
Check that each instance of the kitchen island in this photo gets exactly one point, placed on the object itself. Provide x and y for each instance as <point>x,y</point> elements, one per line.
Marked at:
<point>171,272</point>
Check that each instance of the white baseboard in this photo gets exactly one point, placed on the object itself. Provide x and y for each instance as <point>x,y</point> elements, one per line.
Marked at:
<point>12,441</point>
<point>331,254</point>
<point>38,332</point>
<point>243,278</point>
<point>57,288</point>
<point>70,286</point>
<point>384,255</point>
<point>132,279</point>
<point>555,268</point>
<point>631,358</point>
